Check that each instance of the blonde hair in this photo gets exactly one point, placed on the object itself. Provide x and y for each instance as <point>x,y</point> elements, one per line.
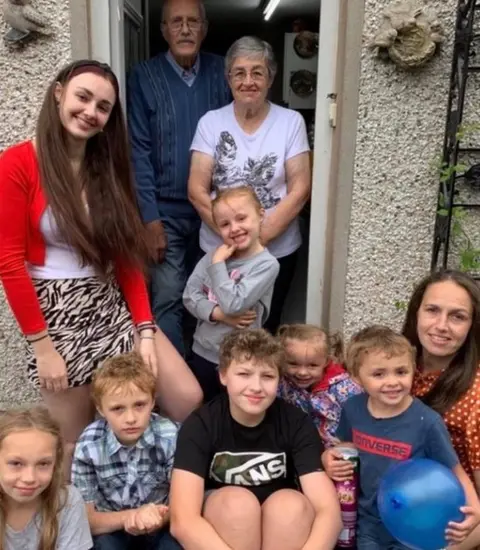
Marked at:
<point>224,195</point>
<point>256,345</point>
<point>374,339</point>
<point>53,498</point>
<point>332,343</point>
<point>119,371</point>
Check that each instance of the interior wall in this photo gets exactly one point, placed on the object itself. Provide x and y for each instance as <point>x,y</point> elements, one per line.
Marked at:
<point>223,32</point>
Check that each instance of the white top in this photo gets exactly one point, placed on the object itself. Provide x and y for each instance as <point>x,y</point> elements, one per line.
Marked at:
<point>256,159</point>
<point>61,260</point>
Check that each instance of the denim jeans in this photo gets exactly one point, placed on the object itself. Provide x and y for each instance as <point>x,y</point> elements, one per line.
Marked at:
<point>169,278</point>
<point>207,375</point>
<point>367,543</point>
<point>121,540</point>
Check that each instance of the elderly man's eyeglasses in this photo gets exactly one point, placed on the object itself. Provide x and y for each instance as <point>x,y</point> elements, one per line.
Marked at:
<point>176,24</point>
<point>256,75</point>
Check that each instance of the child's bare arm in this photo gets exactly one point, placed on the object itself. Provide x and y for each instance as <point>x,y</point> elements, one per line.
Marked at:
<point>458,532</point>
<point>327,524</point>
<point>102,523</point>
<point>187,524</point>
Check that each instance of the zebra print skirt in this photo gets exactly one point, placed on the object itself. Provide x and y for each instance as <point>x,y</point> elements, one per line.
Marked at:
<point>88,321</point>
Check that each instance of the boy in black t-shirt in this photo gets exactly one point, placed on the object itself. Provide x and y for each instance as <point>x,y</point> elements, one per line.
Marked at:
<point>242,458</point>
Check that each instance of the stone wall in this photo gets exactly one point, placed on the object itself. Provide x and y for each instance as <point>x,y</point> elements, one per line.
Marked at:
<point>401,121</point>
<point>24,75</point>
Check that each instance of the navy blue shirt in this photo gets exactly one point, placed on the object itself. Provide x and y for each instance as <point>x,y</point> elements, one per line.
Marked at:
<point>418,432</point>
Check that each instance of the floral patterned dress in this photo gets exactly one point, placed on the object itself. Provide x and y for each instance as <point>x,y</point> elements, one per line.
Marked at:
<point>323,402</point>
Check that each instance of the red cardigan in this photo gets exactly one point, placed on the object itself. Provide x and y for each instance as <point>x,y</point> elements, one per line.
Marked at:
<point>22,203</point>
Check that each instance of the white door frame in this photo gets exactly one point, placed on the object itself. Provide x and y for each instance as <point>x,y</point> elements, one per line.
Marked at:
<point>106,36</point>
<point>106,25</point>
<point>316,311</point>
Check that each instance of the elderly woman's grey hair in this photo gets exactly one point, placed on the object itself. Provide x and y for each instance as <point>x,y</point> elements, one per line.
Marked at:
<point>251,47</point>
<point>166,5</point>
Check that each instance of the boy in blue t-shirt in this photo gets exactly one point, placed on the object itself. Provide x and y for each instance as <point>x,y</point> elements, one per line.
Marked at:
<point>386,424</point>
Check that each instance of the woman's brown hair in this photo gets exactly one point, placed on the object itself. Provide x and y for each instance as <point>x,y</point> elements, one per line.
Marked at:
<point>458,377</point>
<point>53,498</point>
<point>112,229</point>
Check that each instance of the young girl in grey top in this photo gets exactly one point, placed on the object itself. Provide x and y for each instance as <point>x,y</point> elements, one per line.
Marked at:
<point>231,287</point>
<point>39,510</point>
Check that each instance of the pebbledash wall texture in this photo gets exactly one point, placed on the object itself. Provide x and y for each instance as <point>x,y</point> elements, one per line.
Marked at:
<point>24,76</point>
<point>401,121</point>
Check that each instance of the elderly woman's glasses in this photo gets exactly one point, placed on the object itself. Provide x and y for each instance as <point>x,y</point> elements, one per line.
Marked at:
<point>241,75</point>
<point>176,24</point>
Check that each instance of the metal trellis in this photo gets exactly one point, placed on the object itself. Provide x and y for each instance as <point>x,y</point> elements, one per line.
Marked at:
<point>457,164</point>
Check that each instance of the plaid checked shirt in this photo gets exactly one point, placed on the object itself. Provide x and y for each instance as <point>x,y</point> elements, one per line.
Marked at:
<point>115,477</point>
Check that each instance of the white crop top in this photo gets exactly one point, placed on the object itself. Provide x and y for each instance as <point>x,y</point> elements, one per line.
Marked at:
<point>61,260</point>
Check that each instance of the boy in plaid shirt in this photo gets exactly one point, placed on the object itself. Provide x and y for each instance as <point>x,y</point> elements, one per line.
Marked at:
<point>122,462</point>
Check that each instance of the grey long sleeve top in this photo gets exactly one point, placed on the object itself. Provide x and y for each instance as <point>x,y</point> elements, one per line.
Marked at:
<point>236,285</point>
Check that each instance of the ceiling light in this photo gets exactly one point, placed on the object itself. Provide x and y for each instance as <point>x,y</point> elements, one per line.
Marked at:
<point>270,8</point>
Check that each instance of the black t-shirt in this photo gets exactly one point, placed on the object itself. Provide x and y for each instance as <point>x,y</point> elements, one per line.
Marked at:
<point>264,458</point>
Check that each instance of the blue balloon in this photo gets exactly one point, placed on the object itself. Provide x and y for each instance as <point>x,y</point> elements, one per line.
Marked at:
<point>416,500</point>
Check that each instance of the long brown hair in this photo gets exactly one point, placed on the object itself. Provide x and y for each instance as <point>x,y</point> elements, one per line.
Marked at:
<point>53,498</point>
<point>458,377</point>
<point>112,229</point>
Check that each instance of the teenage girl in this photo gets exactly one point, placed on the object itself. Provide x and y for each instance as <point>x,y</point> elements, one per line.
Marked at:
<point>73,251</point>
<point>37,511</point>
<point>315,379</point>
<point>232,286</point>
<point>443,324</point>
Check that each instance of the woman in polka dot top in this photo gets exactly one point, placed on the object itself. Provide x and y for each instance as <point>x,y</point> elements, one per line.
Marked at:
<point>443,323</point>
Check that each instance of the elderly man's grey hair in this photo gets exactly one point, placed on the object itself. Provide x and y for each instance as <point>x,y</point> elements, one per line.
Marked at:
<point>251,47</point>
<point>166,5</point>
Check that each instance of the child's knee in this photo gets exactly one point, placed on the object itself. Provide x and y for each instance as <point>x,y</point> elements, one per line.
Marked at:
<point>288,505</point>
<point>235,505</point>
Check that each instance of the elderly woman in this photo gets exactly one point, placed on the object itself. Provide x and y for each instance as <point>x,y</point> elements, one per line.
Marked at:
<point>254,142</point>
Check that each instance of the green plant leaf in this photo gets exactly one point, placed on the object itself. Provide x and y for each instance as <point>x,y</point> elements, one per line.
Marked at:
<point>459,212</point>
<point>470,259</point>
<point>457,230</point>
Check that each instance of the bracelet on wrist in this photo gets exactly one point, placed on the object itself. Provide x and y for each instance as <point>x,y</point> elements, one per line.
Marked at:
<point>37,339</point>
<point>146,326</point>
<point>147,337</point>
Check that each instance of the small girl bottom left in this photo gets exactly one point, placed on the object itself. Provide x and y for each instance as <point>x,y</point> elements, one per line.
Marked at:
<point>38,510</point>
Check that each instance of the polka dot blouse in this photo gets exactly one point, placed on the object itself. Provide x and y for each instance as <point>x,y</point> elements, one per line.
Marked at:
<point>462,420</point>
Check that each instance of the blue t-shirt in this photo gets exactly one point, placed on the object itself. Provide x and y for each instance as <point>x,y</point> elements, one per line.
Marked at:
<point>418,432</point>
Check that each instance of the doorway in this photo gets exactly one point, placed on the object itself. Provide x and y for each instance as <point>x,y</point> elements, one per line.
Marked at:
<point>134,27</point>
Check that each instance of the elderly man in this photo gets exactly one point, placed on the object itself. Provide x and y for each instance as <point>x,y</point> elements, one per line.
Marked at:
<point>167,95</point>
